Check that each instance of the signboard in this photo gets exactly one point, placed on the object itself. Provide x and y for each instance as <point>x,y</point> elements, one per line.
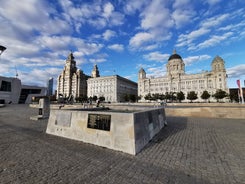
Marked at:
<point>63,119</point>
<point>99,121</point>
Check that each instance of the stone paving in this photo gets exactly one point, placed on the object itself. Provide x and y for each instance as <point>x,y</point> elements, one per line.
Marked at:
<point>188,150</point>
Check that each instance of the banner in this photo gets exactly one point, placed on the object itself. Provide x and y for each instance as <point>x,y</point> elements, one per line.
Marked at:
<point>238,83</point>
<point>240,91</point>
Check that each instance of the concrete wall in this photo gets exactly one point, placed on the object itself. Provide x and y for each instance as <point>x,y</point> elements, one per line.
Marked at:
<point>146,125</point>
<point>210,112</point>
<point>14,94</point>
<point>129,132</point>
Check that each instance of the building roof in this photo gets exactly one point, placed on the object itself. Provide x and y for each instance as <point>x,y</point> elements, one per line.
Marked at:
<point>218,59</point>
<point>142,70</point>
<point>174,56</point>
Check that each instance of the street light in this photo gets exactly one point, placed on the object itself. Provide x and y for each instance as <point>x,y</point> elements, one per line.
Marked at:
<point>2,48</point>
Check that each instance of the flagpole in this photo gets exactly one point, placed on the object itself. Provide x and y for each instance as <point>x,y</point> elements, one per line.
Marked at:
<point>241,92</point>
<point>238,91</point>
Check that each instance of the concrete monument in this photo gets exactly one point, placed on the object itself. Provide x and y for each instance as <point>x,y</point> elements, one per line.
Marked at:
<point>124,130</point>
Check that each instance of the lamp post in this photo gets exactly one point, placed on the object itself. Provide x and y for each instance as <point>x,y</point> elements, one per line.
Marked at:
<point>2,49</point>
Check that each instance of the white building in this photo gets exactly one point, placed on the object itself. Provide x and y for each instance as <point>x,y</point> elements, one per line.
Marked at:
<point>177,80</point>
<point>71,81</point>
<point>112,88</point>
<point>12,91</point>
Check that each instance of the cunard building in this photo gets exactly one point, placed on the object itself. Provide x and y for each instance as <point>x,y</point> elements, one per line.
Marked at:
<point>72,81</point>
<point>177,80</point>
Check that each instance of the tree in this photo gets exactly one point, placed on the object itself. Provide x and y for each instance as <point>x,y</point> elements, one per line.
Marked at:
<point>102,99</point>
<point>132,98</point>
<point>173,96</point>
<point>220,94</point>
<point>162,97</point>
<point>205,95</point>
<point>168,96</point>
<point>155,96</point>
<point>148,96</point>
<point>126,97</point>
<point>234,96</point>
<point>81,98</point>
<point>180,96</point>
<point>139,98</point>
<point>192,95</point>
<point>95,98</point>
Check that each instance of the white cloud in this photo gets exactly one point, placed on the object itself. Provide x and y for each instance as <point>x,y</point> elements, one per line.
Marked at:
<point>6,68</point>
<point>182,17</point>
<point>181,3</point>
<point>116,47</point>
<point>214,21</point>
<point>214,40</point>
<point>150,47</point>
<point>191,59</point>
<point>140,39</point>
<point>211,34</point>
<point>108,10</point>
<point>156,56</point>
<point>155,22</point>
<point>108,34</point>
<point>237,71</point>
<point>97,60</point>
<point>30,77</point>
<point>183,13</point>
<point>95,14</point>
<point>116,19</point>
<point>132,6</point>
<point>64,42</point>
<point>55,42</point>
<point>156,71</point>
<point>186,39</point>
<point>156,16</point>
<point>233,26</point>
<point>27,17</point>
<point>212,2</point>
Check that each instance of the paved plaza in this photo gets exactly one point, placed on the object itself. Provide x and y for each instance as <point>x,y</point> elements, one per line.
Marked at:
<point>188,150</point>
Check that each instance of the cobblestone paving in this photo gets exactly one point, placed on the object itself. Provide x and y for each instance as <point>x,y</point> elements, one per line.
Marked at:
<point>189,150</point>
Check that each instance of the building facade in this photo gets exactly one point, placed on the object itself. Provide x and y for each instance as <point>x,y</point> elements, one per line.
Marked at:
<point>72,81</point>
<point>112,88</point>
<point>12,91</point>
<point>177,80</point>
<point>50,84</point>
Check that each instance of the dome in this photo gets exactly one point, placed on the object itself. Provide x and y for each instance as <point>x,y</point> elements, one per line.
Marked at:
<point>141,70</point>
<point>174,56</point>
<point>217,59</point>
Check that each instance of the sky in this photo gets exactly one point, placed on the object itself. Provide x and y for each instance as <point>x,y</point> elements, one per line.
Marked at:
<point>120,36</point>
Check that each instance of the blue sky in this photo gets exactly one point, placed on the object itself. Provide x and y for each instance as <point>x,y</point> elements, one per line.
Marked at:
<point>120,36</point>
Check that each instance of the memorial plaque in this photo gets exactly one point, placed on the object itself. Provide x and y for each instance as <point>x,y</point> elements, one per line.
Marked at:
<point>63,119</point>
<point>99,121</point>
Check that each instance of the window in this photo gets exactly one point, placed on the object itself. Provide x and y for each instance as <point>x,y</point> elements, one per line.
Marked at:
<point>6,86</point>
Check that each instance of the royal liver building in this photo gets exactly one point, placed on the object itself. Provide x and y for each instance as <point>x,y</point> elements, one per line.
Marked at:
<point>177,80</point>
<point>72,81</point>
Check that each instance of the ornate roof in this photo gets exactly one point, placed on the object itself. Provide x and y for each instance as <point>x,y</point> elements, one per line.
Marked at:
<point>141,70</point>
<point>174,56</point>
<point>217,59</point>
<point>70,57</point>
